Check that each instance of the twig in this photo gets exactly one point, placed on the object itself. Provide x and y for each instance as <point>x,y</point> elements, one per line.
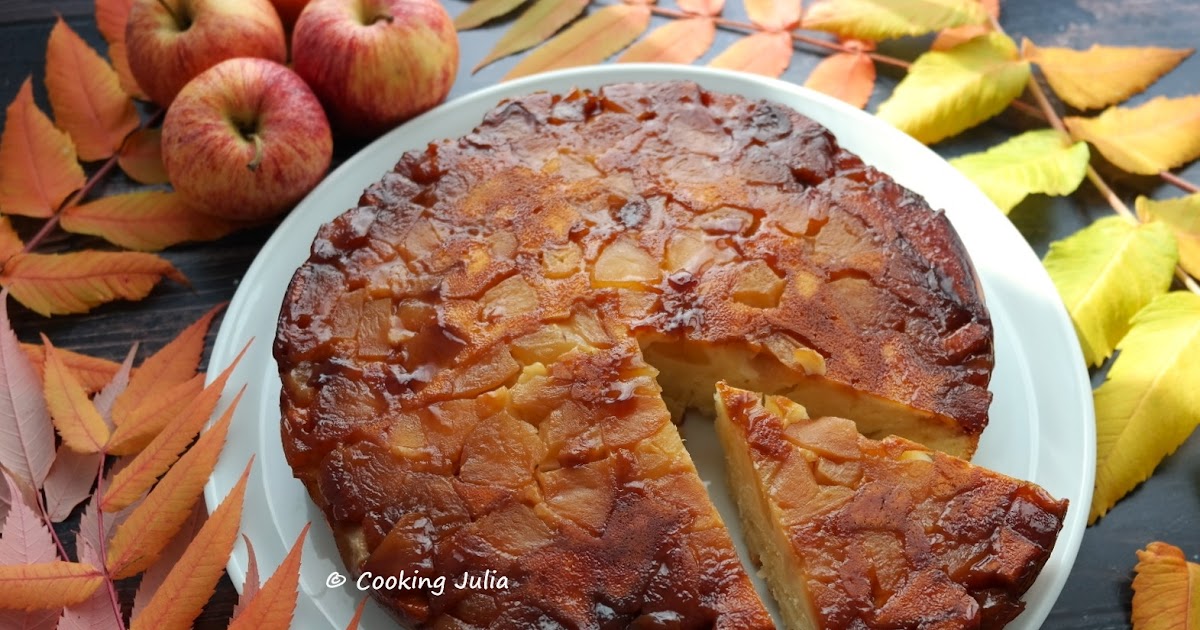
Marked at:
<point>1179,182</point>
<point>112,591</point>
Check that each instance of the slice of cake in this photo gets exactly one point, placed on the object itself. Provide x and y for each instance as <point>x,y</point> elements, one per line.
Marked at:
<point>858,533</point>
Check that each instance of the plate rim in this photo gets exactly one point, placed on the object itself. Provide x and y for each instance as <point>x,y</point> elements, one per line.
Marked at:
<point>227,343</point>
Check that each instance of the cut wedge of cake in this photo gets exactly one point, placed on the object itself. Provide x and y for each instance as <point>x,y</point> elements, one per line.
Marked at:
<point>857,533</point>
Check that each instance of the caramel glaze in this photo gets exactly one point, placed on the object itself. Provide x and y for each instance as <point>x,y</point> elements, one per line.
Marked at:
<point>463,386</point>
<point>890,534</point>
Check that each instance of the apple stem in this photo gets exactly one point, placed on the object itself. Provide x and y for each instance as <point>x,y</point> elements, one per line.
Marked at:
<point>258,153</point>
<point>174,16</point>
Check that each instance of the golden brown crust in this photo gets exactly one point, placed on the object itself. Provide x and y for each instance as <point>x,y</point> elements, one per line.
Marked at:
<point>890,534</point>
<point>467,335</point>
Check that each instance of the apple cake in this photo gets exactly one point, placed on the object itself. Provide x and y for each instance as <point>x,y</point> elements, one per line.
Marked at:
<point>481,361</point>
<point>857,533</point>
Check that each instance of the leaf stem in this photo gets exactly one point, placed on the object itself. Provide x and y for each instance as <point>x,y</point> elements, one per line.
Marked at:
<point>62,551</point>
<point>112,590</point>
<point>1179,182</point>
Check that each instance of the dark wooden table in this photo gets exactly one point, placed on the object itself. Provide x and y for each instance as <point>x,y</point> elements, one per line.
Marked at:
<point>1098,593</point>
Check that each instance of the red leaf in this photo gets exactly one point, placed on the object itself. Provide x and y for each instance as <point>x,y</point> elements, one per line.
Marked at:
<point>175,363</point>
<point>10,242</point>
<point>92,372</point>
<point>69,482</point>
<point>846,76</point>
<point>191,582</point>
<point>146,220</point>
<point>153,578</point>
<point>358,613</point>
<point>94,613</point>
<point>53,284</point>
<point>26,433</point>
<point>86,95</point>
<point>774,15</point>
<point>253,584</point>
<point>89,520</point>
<point>38,165</point>
<point>115,387</point>
<point>679,41</point>
<point>273,607</point>
<point>24,539</point>
<point>141,156</point>
<point>761,53</point>
<point>701,7</point>
<point>80,425</point>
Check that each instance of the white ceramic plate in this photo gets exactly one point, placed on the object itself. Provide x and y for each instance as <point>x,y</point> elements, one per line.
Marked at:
<point>1042,426</point>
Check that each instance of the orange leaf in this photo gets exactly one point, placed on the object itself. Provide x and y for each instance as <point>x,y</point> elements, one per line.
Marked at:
<point>1102,75</point>
<point>80,425</point>
<point>165,448</point>
<point>147,220</point>
<point>141,157</point>
<point>590,40</point>
<point>139,541</point>
<point>93,372</point>
<point>538,22</point>
<point>111,17</point>
<point>86,95</point>
<point>47,584</point>
<point>38,166</point>
<point>174,363</point>
<point>251,585</point>
<point>190,584</point>
<point>149,418</point>
<point>1166,590</point>
<point>701,7</point>
<point>272,608</point>
<point>679,41</point>
<point>846,76</point>
<point>951,37</point>
<point>120,61</point>
<point>358,613</point>
<point>10,242</point>
<point>773,15</point>
<point>54,284</point>
<point>482,11</point>
<point>761,53</point>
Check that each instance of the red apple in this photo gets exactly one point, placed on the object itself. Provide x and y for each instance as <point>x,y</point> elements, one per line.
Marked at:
<point>288,11</point>
<point>172,41</point>
<point>245,140</point>
<point>375,63</point>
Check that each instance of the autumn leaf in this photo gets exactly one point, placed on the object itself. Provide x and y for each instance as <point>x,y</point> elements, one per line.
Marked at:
<point>149,418</point>
<point>708,8</point>
<point>1156,136</point>
<point>954,36</point>
<point>678,41</point>
<point>188,586</point>
<point>145,220</point>
<point>945,93</point>
<point>1149,403</point>
<point>536,24</point>
<point>95,612</point>
<point>141,157</point>
<point>1033,162</point>
<point>75,282</point>
<point>51,584</point>
<point>773,15</point>
<point>111,18</point>
<point>69,482</point>
<point>92,372</point>
<point>26,433</point>
<point>1102,75</point>
<point>273,606</point>
<point>252,584</point>
<point>590,40</point>
<point>482,11</point>
<point>24,539</point>
<point>1166,590</point>
<point>358,613</point>
<point>119,54</point>
<point>107,396</point>
<point>10,242</point>
<point>153,578</point>
<point>80,425</point>
<point>86,95</point>
<point>1105,273</point>
<point>1182,215</point>
<point>888,19</point>
<point>848,77</point>
<point>38,165</point>
<point>767,54</point>
<point>173,364</point>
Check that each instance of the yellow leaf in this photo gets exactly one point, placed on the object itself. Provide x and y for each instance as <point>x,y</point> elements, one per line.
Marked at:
<point>678,41</point>
<point>1105,273</point>
<point>887,19</point>
<point>141,538</point>
<point>274,604</point>
<point>86,95</point>
<point>536,24</point>
<point>146,220</point>
<point>47,584</point>
<point>82,428</point>
<point>1150,403</point>
<point>141,157</point>
<point>945,93</point>
<point>1033,162</point>
<point>1182,215</point>
<point>190,584</point>
<point>1156,136</point>
<point>954,36</point>
<point>767,54</point>
<point>1102,75</point>
<point>773,15</point>
<point>38,166</point>
<point>701,7</point>
<point>92,372</point>
<point>53,284</point>
<point>590,40</point>
<point>10,243</point>
<point>849,77</point>
<point>482,11</point>
<point>1166,590</point>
